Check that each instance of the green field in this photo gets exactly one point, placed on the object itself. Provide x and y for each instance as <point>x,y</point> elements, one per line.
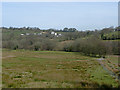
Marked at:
<point>52,69</point>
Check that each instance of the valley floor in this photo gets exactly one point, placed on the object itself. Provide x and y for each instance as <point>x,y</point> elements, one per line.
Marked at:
<point>53,69</point>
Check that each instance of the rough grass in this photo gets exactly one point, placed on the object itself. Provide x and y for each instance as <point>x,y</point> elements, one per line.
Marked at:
<point>52,69</point>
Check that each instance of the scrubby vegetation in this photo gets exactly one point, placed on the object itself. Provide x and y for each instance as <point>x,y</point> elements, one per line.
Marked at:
<point>91,43</point>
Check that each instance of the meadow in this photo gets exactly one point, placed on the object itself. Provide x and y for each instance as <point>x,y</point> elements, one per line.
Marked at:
<point>53,69</point>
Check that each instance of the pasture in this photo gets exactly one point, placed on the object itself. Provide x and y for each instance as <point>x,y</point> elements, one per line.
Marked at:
<point>53,69</point>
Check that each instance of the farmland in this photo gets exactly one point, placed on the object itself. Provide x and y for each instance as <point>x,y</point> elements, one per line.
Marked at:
<point>54,69</point>
<point>60,45</point>
<point>68,58</point>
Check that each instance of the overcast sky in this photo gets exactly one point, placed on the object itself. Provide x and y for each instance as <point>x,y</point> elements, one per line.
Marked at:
<point>79,15</point>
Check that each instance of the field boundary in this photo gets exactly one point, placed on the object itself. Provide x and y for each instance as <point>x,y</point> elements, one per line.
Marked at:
<point>107,70</point>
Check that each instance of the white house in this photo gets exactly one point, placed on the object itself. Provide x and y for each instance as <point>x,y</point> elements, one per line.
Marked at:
<point>21,34</point>
<point>52,32</point>
<point>55,34</point>
<point>60,34</point>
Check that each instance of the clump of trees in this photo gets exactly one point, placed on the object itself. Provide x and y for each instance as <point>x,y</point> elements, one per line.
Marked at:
<point>111,36</point>
<point>110,33</point>
<point>94,47</point>
<point>28,43</point>
<point>90,47</point>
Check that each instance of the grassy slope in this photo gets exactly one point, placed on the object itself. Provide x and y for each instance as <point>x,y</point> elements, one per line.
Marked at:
<point>44,69</point>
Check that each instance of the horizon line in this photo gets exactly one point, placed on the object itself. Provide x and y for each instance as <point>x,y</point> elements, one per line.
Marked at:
<point>58,28</point>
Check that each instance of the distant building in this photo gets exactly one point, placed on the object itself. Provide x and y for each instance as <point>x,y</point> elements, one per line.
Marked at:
<point>39,33</point>
<point>35,34</point>
<point>60,34</point>
<point>52,32</point>
<point>55,34</point>
<point>44,32</point>
<point>21,34</point>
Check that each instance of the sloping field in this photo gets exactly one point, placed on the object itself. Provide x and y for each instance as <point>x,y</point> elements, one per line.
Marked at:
<point>53,69</point>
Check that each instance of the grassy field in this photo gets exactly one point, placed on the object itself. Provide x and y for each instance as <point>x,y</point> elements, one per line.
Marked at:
<point>52,69</point>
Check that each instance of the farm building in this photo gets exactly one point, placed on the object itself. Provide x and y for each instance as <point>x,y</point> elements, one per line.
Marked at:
<point>21,34</point>
<point>52,32</point>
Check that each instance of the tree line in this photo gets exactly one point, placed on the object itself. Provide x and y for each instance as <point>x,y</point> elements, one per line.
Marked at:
<point>89,43</point>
